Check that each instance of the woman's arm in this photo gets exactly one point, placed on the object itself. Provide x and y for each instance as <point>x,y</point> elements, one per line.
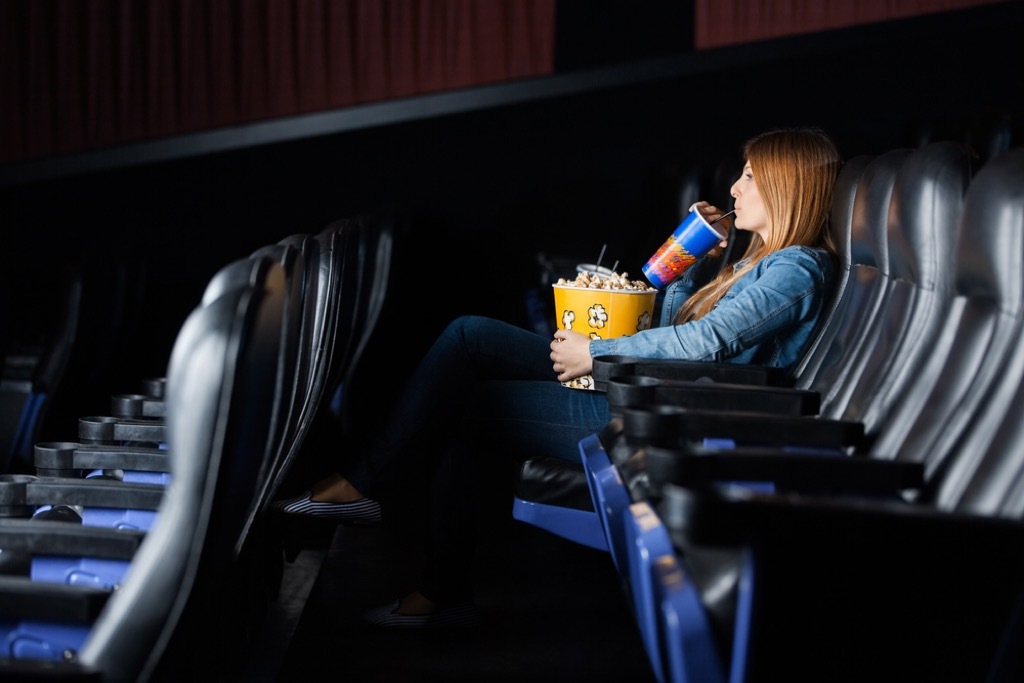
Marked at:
<point>783,290</point>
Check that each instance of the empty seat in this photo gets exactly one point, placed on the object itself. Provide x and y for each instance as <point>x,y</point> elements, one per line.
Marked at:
<point>363,249</point>
<point>67,328</point>
<point>332,294</point>
<point>185,592</point>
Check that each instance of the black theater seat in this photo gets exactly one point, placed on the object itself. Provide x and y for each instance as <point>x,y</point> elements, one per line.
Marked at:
<point>184,590</point>
<point>939,576</point>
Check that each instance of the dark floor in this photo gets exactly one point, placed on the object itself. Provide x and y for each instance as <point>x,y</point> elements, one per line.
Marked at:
<point>551,610</point>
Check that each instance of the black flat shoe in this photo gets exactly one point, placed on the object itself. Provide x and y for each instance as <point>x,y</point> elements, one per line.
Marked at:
<point>365,510</point>
<point>463,615</point>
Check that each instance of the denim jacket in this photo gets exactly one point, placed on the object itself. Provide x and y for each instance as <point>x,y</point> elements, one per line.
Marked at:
<point>767,317</point>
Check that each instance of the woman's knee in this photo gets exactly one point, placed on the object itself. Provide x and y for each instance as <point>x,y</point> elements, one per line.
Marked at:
<point>470,324</point>
<point>470,330</point>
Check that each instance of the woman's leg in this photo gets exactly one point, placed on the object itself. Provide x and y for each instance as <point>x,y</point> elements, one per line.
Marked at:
<point>526,419</point>
<point>452,526</point>
<point>507,421</point>
<point>485,389</point>
<point>456,488</point>
<point>471,350</point>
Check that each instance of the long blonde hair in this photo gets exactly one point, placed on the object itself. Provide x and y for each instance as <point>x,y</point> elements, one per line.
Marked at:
<point>795,170</point>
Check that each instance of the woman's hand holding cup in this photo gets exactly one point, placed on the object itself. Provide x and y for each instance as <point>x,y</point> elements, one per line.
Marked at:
<point>721,221</point>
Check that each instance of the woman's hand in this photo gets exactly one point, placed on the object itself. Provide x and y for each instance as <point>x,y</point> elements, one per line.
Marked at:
<point>570,355</point>
<point>724,226</point>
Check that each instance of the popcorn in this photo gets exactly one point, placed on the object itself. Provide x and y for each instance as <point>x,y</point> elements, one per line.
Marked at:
<point>619,282</point>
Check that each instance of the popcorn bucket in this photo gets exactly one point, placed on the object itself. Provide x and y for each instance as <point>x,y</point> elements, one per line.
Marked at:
<point>601,314</point>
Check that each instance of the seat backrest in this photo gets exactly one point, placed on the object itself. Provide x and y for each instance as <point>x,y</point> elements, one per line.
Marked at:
<point>331,297</point>
<point>67,327</point>
<point>337,294</point>
<point>234,275</point>
<point>992,133</point>
<point>310,281</point>
<point>840,304</point>
<point>985,471</point>
<point>378,236</point>
<point>921,233</point>
<point>298,258</point>
<point>287,264</point>
<point>221,385</point>
<point>867,282</point>
<point>321,300</point>
<point>968,360</point>
<point>350,234</point>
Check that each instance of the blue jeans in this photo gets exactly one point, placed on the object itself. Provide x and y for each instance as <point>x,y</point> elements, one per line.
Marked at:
<point>481,377</point>
<point>485,389</point>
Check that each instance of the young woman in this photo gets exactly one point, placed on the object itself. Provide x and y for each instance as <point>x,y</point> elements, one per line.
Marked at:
<point>487,388</point>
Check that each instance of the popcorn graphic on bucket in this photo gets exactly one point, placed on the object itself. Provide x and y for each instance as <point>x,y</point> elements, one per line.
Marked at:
<point>602,307</point>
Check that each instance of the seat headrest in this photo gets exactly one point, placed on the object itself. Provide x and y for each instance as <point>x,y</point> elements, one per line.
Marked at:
<point>869,245</point>
<point>924,214</point>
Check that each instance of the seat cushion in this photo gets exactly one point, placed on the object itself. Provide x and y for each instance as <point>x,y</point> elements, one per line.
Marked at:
<point>552,481</point>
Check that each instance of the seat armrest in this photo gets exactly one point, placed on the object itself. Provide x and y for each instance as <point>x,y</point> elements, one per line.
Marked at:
<point>606,367</point>
<point>116,430</point>
<point>20,495</point>
<point>24,598</point>
<point>137,406</point>
<point>639,391</point>
<point>44,537</point>
<point>802,472</point>
<point>69,459</point>
<point>671,426</point>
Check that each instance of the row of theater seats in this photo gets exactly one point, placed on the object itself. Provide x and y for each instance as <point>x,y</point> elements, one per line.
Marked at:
<point>67,322</point>
<point>145,551</point>
<point>864,519</point>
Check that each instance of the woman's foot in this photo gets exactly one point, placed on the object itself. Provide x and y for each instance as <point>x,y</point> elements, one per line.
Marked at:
<point>335,488</point>
<point>332,498</point>
<point>416,604</point>
<point>417,611</point>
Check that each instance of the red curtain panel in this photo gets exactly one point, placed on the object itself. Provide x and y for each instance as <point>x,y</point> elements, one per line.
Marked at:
<point>81,74</point>
<point>718,23</point>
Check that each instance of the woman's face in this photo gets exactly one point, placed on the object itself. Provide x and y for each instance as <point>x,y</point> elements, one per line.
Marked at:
<point>750,214</point>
